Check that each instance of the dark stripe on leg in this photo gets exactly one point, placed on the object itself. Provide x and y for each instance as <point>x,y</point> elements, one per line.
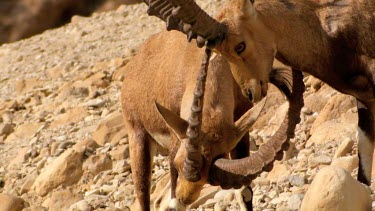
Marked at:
<point>366,125</point>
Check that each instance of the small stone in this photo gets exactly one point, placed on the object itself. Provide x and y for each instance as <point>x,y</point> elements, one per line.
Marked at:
<point>95,103</point>
<point>345,147</point>
<point>106,189</point>
<point>295,201</point>
<point>316,160</point>
<point>297,180</point>
<point>306,111</point>
<point>349,163</point>
<point>262,181</point>
<point>80,206</point>
<point>6,129</point>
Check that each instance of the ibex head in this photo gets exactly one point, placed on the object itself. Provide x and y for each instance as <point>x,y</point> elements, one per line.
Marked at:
<point>236,34</point>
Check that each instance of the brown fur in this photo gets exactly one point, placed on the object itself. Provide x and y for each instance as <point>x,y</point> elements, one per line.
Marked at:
<point>165,71</point>
<point>333,40</point>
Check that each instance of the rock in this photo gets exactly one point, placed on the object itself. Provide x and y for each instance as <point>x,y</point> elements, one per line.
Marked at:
<point>295,201</point>
<point>316,160</point>
<point>73,115</point>
<point>337,105</point>
<point>30,179</point>
<point>206,197</point>
<point>278,172</point>
<point>35,208</point>
<point>12,203</point>
<point>345,147</point>
<point>297,180</point>
<point>6,129</point>
<point>120,152</point>
<point>43,15</point>
<point>314,83</point>
<point>335,189</point>
<point>95,103</point>
<point>109,127</point>
<point>262,181</point>
<point>64,170</point>
<point>62,200</point>
<point>349,163</point>
<point>86,145</point>
<point>24,131</point>
<point>332,131</point>
<point>26,85</point>
<point>81,206</point>
<point>21,157</point>
<point>97,163</point>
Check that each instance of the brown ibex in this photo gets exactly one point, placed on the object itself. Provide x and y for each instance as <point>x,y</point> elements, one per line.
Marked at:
<point>333,40</point>
<point>165,71</point>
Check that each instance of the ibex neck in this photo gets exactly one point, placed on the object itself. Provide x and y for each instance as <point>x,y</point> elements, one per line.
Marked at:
<point>300,38</point>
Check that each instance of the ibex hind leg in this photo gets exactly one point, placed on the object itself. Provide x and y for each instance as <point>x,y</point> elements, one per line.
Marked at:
<point>142,150</point>
<point>366,131</point>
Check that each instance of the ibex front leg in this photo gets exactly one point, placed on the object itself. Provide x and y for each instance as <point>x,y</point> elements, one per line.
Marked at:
<point>141,156</point>
<point>366,139</point>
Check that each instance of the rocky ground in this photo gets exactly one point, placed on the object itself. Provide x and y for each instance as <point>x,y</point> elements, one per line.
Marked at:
<point>63,145</point>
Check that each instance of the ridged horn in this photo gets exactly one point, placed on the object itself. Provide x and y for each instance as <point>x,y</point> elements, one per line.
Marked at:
<point>235,173</point>
<point>186,16</point>
<point>194,160</point>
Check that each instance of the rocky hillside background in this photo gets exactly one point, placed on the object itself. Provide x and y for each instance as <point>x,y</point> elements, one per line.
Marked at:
<point>63,145</point>
<point>23,18</point>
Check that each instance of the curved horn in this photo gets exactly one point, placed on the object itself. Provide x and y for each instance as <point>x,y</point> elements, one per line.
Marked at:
<point>234,173</point>
<point>163,10</point>
<point>194,161</point>
<point>187,17</point>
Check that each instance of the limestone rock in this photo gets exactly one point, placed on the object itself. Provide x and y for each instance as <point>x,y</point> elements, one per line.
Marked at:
<point>71,116</point>
<point>344,148</point>
<point>335,189</point>
<point>332,131</point>
<point>12,203</point>
<point>62,200</point>
<point>349,163</point>
<point>35,208</point>
<point>65,170</point>
<point>109,127</point>
<point>337,105</point>
<point>120,152</point>
<point>97,163</point>
<point>25,130</point>
<point>278,172</point>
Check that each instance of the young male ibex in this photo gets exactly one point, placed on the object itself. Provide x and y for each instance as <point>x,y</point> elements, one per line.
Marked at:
<point>164,71</point>
<point>333,40</point>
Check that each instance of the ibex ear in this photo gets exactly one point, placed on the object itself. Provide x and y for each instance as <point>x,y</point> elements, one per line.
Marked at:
<point>174,122</point>
<point>247,120</point>
<point>248,7</point>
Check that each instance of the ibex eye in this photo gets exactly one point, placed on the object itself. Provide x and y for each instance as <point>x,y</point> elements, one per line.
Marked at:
<point>240,48</point>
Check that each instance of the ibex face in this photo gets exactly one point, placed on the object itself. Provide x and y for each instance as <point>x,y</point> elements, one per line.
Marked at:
<point>248,46</point>
<point>216,138</point>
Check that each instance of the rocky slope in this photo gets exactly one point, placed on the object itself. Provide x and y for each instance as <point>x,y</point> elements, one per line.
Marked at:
<point>63,145</point>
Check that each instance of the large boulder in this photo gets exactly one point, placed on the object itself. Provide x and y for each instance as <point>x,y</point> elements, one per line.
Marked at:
<point>64,170</point>
<point>333,188</point>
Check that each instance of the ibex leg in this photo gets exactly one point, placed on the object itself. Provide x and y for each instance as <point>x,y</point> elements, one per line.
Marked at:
<point>141,156</point>
<point>366,131</point>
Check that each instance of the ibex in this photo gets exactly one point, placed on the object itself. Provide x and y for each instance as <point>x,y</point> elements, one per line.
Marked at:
<point>162,108</point>
<point>333,40</point>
